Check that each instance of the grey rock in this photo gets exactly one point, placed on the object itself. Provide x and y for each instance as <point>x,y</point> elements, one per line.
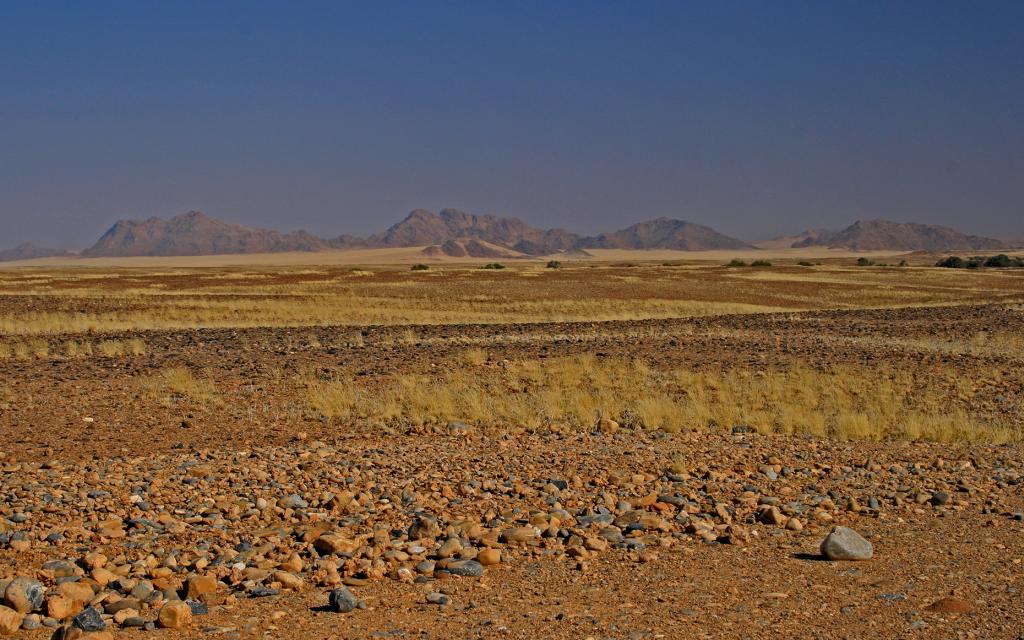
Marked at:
<point>263,592</point>
<point>30,589</point>
<point>342,600</point>
<point>466,569</point>
<point>294,501</point>
<point>844,543</point>
<point>438,598</point>
<point>89,620</point>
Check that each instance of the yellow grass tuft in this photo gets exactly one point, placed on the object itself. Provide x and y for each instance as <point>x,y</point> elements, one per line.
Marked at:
<point>474,357</point>
<point>178,383</point>
<point>843,402</point>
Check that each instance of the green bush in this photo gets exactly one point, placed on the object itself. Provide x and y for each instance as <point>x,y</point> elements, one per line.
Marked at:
<point>1000,261</point>
<point>419,267</point>
<point>760,263</point>
<point>805,263</point>
<point>736,263</point>
<point>554,264</point>
<point>494,265</point>
<point>864,262</point>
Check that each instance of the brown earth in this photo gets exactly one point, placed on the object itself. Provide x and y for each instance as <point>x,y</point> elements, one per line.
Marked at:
<point>690,547</point>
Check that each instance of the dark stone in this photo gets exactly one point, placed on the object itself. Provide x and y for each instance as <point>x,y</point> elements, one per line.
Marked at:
<point>263,592</point>
<point>89,620</point>
<point>465,568</point>
<point>342,600</point>
<point>198,608</point>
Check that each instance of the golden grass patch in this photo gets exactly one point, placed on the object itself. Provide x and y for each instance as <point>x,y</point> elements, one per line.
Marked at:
<point>843,402</point>
<point>176,384</point>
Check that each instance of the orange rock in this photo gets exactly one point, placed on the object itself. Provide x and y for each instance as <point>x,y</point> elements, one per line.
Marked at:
<point>10,621</point>
<point>951,605</point>
<point>197,586</point>
<point>175,615</point>
<point>77,592</point>
<point>62,607</point>
<point>489,557</point>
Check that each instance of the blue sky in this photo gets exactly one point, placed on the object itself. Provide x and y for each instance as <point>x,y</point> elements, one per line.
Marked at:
<point>757,118</point>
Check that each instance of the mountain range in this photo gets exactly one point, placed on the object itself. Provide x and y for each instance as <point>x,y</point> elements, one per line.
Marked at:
<point>876,235</point>
<point>455,233</point>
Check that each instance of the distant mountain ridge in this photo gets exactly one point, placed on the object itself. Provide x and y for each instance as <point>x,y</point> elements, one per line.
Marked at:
<point>885,235</point>
<point>664,233</point>
<point>193,234</point>
<point>450,232</point>
<point>455,233</point>
<point>29,251</point>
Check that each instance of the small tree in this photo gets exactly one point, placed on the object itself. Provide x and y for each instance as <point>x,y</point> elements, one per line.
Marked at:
<point>1000,261</point>
<point>864,262</point>
<point>554,264</point>
<point>952,262</point>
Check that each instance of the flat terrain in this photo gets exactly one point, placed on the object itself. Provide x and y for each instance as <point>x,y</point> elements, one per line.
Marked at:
<point>648,450</point>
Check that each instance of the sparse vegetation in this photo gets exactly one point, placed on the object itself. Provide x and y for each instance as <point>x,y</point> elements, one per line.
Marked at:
<point>1001,261</point>
<point>474,357</point>
<point>760,263</point>
<point>843,402</point>
<point>865,262</point>
<point>554,264</point>
<point>177,384</point>
<point>805,263</point>
<point>493,265</point>
<point>736,262</point>
<point>70,303</point>
<point>419,267</point>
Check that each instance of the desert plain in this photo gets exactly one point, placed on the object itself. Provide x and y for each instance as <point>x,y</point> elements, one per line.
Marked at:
<point>633,446</point>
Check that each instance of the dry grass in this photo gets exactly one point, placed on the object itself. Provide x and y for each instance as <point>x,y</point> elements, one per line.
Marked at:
<point>55,302</point>
<point>40,349</point>
<point>176,384</point>
<point>845,402</point>
<point>474,357</point>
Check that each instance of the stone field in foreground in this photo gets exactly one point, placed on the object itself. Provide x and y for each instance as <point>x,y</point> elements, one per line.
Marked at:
<point>624,535</point>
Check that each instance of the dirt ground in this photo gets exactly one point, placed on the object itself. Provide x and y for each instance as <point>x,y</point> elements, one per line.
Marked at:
<point>604,531</point>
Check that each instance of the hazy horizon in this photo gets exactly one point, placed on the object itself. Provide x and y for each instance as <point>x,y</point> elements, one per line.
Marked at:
<point>756,119</point>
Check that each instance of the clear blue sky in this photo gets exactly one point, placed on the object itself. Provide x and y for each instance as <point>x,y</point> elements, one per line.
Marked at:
<point>757,118</point>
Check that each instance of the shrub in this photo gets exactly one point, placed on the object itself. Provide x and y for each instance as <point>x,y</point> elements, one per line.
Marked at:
<point>554,264</point>
<point>864,262</point>
<point>736,263</point>
<point>494,265</point>
<point>760,263</point>
<point>1000,261</point>
<point>805,263</point>
<point>952,262</point>
<point>419,267</point>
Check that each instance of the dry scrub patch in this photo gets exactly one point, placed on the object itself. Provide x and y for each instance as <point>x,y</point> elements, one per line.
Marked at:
<point>847,402</point>
<point>177,384</point>
<point>53,302</point>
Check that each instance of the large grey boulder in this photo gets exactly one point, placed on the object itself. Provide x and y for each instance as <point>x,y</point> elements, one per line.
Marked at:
<point>844,543</point>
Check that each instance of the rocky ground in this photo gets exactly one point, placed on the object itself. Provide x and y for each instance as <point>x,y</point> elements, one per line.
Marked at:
<point>260,397</point>
<point>604,535</point>
<point>243,519</point>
